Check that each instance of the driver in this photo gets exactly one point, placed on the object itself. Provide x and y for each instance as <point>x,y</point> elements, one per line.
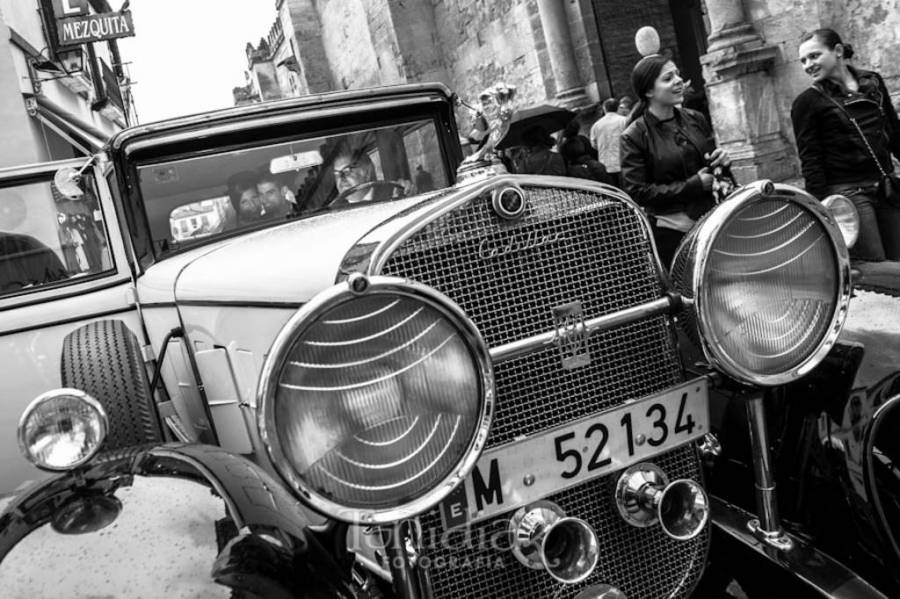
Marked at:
<point>356,181</point>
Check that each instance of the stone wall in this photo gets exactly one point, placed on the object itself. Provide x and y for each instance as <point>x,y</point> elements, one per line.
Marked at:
<point>266,80</point>
<point>349,46</point>
<point>487,42</point>
<point>419,51</point>
<point>303,34</point>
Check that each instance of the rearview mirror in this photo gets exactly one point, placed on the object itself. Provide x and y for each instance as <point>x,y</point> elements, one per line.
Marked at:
<point>295,162</point>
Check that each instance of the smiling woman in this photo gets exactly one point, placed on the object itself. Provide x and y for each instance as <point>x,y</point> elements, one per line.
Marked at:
<point>667,154</point>
<point>847,129</point>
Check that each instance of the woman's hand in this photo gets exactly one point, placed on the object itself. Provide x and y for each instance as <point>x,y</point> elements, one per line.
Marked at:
<point>718,157</point>
<point>706,178</point>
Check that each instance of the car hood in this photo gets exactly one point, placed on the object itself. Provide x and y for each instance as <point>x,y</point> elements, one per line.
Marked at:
<point>287,264</point>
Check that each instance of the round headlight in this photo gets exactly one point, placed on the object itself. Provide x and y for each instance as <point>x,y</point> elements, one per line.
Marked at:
<point>845,215</point>
<point>376,399</point>
<point>62,429</point>
<point>766,282</point>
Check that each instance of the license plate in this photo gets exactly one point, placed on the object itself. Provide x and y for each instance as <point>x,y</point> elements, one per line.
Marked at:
<point>529,469</point>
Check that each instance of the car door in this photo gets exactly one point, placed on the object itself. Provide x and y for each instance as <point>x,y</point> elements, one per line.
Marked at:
<point>63,263</point>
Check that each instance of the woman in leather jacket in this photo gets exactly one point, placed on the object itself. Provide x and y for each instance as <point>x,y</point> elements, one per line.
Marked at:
<point>668,154</point>
<point>834,156</point>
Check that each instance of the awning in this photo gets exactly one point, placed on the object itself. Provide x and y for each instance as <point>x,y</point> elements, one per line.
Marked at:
<point>83,136</point>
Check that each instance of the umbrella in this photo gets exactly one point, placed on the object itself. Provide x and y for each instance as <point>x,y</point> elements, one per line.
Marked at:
<point>549,118</point>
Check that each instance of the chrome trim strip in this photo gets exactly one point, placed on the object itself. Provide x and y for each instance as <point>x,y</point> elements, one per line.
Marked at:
<point>599,324</point>
<point>818,570</point>
<point>288,105</point>
<point>270,120</point>
<point>277,360</point>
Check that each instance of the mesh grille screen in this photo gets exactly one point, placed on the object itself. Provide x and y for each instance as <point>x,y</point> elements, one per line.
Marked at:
<point>596,253</point>
<point>507,276</point>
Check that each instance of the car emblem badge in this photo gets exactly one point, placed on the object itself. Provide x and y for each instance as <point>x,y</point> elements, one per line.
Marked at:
<point>571,335</point>
<point>509,202</point>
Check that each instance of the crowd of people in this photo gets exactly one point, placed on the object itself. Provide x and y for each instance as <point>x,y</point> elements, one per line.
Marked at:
<point>664,154</point>
<point>661,153</point>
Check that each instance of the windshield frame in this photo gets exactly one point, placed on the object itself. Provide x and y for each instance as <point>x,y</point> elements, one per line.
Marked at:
<point>212,138</point>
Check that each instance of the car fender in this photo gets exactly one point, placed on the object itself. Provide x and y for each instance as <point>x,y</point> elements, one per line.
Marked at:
<point>803,570</point>
<point>192,520</point>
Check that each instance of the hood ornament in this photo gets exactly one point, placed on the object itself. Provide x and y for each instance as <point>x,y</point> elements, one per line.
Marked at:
<point>497,107</point>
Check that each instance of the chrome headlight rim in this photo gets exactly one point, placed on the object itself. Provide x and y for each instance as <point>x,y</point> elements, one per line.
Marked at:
<point>48,396</point>
<point>833,204</point>
<point>706,234</point>
<point>355,286</point>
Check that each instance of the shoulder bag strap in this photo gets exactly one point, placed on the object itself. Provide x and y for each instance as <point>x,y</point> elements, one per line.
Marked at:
<point>858,129</point>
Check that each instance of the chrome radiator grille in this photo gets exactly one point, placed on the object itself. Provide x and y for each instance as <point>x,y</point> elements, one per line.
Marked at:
<point>600,257</point>
<point>571,245</point>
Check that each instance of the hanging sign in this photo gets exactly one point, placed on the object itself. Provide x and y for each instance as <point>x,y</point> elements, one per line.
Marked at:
<point>70,8</point>
<point>86,29</point>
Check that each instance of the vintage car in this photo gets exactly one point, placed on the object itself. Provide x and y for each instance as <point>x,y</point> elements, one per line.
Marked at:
<point>298,349</point>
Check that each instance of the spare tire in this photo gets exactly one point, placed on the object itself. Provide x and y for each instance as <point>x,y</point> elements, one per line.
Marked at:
<point>103,359</point>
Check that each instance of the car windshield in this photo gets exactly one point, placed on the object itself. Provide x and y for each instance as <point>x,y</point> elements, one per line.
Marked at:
<point>198,199</point>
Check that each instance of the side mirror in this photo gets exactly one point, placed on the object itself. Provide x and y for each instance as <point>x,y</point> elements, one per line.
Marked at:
<point>68,181</point>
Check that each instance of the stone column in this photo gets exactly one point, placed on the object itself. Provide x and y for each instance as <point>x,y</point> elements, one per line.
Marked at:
<point>742,99</point>
<point>728,24</point>
<point>555,23</point>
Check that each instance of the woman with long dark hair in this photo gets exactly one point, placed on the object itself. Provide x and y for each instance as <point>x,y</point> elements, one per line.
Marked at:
<point>846,129</point>
<point>668,154</point>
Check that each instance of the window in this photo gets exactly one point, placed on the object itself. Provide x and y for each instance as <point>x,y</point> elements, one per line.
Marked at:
<point>47,239</point>
<point>202,198</point>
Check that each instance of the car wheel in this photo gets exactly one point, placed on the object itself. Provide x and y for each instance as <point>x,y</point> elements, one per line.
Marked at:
<point>103,359</point>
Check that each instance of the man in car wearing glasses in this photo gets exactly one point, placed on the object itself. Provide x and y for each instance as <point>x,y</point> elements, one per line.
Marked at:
<point>356,180</point>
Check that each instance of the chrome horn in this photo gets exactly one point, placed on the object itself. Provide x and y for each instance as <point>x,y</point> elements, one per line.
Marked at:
<point>544,538</point>
<point>645,496</point>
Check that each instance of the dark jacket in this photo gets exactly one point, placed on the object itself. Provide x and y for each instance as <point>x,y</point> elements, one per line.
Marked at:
<point>573,148</point>
<point>25,261</point>
<point>542,161</point>
<point>831,150</point>
<point>585,167</point>
<point>660,160</point>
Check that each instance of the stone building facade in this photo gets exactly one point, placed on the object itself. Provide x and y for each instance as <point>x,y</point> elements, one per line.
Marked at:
<point>743,53</point>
